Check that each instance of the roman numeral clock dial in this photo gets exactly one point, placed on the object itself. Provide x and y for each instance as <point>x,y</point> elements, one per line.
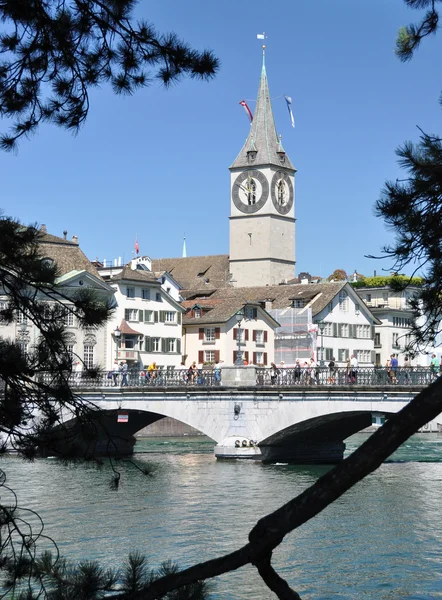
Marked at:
<point>250,191</point>
<point>282,192</point>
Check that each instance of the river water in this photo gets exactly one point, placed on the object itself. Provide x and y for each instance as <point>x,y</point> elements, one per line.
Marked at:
<point>382,540</point>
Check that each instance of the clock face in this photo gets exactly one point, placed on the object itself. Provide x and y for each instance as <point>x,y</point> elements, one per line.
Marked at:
<point>250,191</point>
<point>282,192</point>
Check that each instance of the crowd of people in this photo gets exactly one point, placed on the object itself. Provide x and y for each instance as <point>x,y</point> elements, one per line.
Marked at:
<point>302,372</point>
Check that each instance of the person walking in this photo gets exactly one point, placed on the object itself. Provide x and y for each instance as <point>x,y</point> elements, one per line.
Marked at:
<point>332,370</point>
<point>434,367</point>
<point>123,369</point>
<point>354,369</point>
<point>393,368</point>
<point>115,372</point>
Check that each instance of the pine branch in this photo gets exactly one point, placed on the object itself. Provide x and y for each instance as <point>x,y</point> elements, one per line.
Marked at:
<point>269,532</point>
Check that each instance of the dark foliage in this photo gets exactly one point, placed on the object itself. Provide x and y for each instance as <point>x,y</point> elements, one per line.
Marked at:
<point>410,37</point>
<point>413,209</point>
<point>54,51</point>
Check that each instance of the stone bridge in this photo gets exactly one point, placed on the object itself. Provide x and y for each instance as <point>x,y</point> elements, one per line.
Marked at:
<point>292,424</point>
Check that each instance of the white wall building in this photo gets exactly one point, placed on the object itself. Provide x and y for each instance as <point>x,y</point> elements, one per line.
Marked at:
<point>146,325</point>
<point>88,346</point>
<point>392,334</point>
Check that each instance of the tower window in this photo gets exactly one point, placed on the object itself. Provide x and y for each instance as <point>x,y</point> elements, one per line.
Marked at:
<point>251,196</point>
<point>281,193</point>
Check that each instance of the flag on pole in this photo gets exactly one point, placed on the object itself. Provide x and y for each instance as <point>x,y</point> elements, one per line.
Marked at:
<point>137,247</point>
<point>289,106</point>
<point>260,36</point>
<point>247,109</point>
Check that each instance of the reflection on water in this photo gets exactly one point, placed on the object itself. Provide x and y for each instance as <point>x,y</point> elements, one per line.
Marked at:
<point>381,541</point>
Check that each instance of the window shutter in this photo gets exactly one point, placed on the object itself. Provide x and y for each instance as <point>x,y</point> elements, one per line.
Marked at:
<point>216,355</point>
<point>162,316</point>
<point>178,318</point>
<point>254,358</point>
<point>178,346</point>
<point>163,344</point>
<point>148,344</point>
<point>155,316</point>
<point>373,356</point>
<point>372,333</point>
<point>200,356</point>
<point>265,337</point>
<point>141,316</point>
<point>201,333</point>
<point>235,334</point>
<point>246,334</point>
<point>335,330</point>
<point>254,335</point>
<point>246,355</point>
<point>265,358</point>
<point>217,333</point>
<point>126,314</point>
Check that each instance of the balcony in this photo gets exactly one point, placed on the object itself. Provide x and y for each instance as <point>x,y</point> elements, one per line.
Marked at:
<point>124,354</point>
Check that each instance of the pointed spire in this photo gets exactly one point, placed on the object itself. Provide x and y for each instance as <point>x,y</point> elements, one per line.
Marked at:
<point>184,247</point>
<point>263,145</point>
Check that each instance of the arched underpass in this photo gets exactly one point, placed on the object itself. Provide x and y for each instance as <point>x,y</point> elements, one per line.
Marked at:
<point>316,440</point>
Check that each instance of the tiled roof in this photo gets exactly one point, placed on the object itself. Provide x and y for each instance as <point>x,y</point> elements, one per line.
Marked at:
<point>128,274</point>
<point>283,295</point>
<point>263,137</point>
<point>205,273</point>
<point>127,329</point>
<point>223,309</point>
<point>66,254</point>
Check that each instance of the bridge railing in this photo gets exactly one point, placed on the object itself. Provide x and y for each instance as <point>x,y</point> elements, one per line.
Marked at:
<point>342,376</point>
<point>263,377</point>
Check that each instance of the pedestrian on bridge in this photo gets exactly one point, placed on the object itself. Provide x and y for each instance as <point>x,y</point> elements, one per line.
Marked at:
<point>115,372</point>
<point>123,369</point>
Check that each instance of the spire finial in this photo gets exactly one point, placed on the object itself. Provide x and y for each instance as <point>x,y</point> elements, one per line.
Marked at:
<point>184,247</point>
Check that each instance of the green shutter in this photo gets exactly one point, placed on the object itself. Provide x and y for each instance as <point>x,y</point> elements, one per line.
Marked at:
<point>335,330</point>
<point>148,344</point>
<point>178,318</point>
<point>163,345</point>
<point>155,316</point>
<point>162,316</point>
<point>126,314</point>
<point>178,345</point>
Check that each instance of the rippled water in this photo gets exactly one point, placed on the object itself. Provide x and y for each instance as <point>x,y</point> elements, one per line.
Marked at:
<point>382,540</point>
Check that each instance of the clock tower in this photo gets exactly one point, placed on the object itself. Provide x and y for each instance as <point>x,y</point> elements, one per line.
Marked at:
<point>262,206</point>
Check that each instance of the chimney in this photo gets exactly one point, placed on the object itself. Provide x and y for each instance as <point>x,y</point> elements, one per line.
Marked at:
<point>43,228</point>
<point>65,234</point>
<point>104,263</point>
<point>268,304</point>
<point>374,273</point>
<point>75,239</point>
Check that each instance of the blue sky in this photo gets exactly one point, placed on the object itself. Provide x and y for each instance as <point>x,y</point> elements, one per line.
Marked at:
<point>156,164</point>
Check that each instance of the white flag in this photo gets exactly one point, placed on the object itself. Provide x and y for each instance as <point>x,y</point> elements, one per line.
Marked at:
<point>260,36</point>
<point>289,106</point>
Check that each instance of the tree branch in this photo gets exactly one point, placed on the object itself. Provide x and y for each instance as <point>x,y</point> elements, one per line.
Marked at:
<point>270,530</point>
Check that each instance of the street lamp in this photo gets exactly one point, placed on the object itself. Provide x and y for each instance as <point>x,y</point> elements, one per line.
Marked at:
<point>239,316</point>
<point>117,335</point>
<point>321,326</point>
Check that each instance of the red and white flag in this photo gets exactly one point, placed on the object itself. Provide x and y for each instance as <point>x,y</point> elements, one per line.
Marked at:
<point>247,109</point>
<point>137,248</point>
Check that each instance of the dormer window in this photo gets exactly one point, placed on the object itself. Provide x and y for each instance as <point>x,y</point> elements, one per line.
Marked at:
<point>251,156</point>
<point>197,313</point>
<point>281,157</point>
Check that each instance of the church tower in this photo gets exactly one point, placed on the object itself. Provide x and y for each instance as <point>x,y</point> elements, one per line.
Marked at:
<point>262,203</point>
